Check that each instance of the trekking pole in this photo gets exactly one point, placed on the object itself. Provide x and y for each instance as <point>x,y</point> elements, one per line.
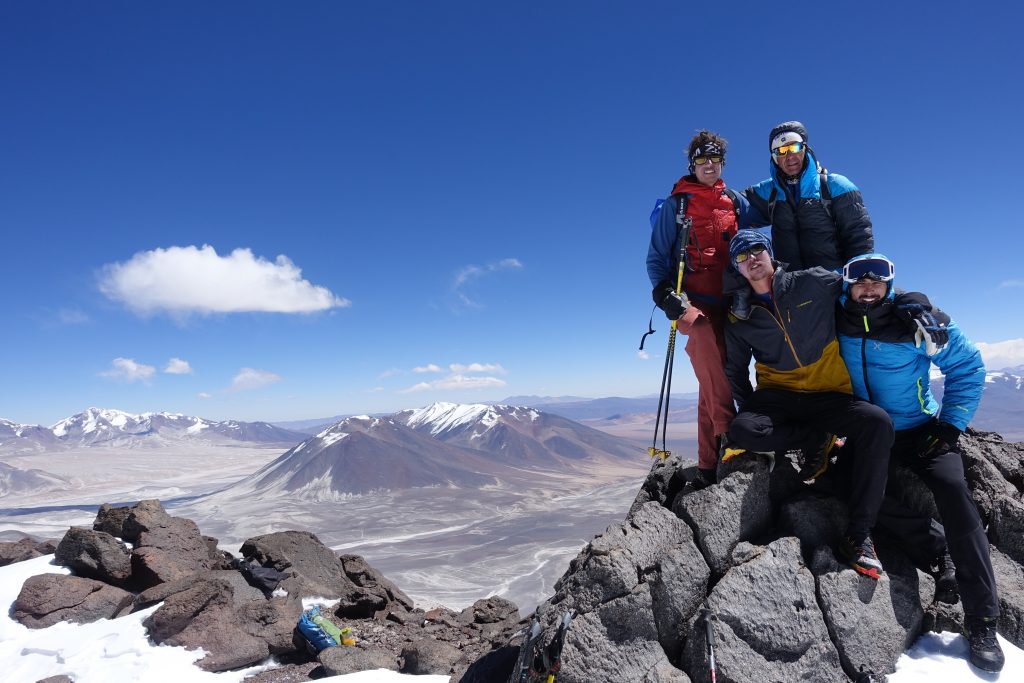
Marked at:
<point>666,376</point>
<point>709,631</point>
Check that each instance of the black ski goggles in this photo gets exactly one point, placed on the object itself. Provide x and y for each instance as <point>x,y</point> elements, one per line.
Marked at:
<point>714,159</point>
<point>876,269</point>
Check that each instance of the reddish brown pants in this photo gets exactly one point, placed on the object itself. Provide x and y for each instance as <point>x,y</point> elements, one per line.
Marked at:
<point>705,345</point>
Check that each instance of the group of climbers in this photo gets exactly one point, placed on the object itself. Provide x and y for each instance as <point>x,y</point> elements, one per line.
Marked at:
<point>786,273</point>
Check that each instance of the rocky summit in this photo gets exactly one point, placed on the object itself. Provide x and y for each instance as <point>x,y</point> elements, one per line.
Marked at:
<point>751,558</point>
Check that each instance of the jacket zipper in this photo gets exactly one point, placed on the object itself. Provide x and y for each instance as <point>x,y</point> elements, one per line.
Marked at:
<point>785,333</point>
<point>864,357</point>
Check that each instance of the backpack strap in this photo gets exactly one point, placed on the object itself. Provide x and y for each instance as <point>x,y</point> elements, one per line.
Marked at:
<point>826,193</point>
<point>684,203</point>
<point>732,195</point>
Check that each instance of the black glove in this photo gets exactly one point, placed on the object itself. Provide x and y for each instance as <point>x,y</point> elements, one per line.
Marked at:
<point>674,305</point>
<point>936,438</point>
<point>930,330</point>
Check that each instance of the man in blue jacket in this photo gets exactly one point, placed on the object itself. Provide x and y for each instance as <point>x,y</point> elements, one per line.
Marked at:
<point>889,340</point>
<point>818,218</point>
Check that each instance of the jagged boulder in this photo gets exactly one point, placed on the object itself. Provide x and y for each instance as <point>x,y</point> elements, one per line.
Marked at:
<point>166,548</point>
<point>766,621</point>
<point>760,550</point>
<point>95,555</point>
<point>738,509</point>
<point>23,549</point>
<point>46,599</point>
<point>315,570</point>
<point>341,660</point>
<point>373,583</point>
<point>110,519</point>
<point>1010,583</point>
<point>871,622</point>
<point>428,656</point>
<point>222,614</point>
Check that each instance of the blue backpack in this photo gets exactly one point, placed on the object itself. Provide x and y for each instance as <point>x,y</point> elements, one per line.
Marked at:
<point>316,637</point>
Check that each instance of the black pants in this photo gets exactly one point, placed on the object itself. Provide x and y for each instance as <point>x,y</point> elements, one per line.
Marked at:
<point>775,420</point>
<point>965,535</point>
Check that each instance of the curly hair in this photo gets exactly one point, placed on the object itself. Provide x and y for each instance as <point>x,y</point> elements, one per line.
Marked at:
<point>703,137</point>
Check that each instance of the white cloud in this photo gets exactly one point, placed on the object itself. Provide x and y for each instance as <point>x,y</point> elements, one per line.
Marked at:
<point>455,383</point>
<point>643,355</point>
<point>127,370</point>
<point>430,367</point>
<point>177,366</point>
<point>184,280</point>
<point>472,272</point>
<point>1004,354</point>
<point>458,368</point>
<point>252,378</point>
<point>422,386</point>
<point>1006,284</point>
<point>463,382</point>
<point>204,395</point>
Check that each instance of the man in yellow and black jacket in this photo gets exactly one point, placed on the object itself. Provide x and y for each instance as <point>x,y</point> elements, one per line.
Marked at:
<point>803,395</point>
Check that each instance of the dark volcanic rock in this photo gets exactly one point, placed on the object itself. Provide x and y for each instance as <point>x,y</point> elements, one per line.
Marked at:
<point>316,571</point>
<point>766,621</point>
<point>341,660</point>
<point>428,656</point>
<point>110,520</point>
<point>46,599</point>
<point>220,614</point>
<point>166,548</point>
<point>95,555</point>
<point>757,550</point>
<point>373,583</point>
<point>17,551</point>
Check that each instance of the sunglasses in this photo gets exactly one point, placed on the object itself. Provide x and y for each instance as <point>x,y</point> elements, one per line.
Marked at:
<point>877,269</point>
<point>753,251</point>
<point>791,148</point>
<point>700,161</point>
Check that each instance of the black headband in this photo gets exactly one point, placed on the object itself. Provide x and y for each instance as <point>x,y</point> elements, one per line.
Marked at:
<point>708,149</point>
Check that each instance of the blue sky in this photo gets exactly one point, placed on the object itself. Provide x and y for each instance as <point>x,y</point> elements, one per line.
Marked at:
<point>289,210</point>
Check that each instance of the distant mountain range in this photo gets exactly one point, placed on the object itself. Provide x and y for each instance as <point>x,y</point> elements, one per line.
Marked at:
<point>1002,404</point>
<point>1001,409</point>
<point>444,444</point>
<point>115,428</point>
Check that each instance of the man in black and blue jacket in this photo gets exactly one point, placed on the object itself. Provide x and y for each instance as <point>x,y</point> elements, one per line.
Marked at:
<point>818,218</point>
<point>889,341</point>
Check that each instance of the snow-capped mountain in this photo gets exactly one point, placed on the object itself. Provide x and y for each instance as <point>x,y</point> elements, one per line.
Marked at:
<point>515,434</point>
<point>444,444</point>
<point>104,427</point>
<point>1002,403</point>
<point>30,435</point>
<point>363,454</point>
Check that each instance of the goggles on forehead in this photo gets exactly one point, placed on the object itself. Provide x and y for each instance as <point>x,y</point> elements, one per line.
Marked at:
<point>701,160</point>
<point>753,251</point>
<point>791,148</point>
<point>874,268</point>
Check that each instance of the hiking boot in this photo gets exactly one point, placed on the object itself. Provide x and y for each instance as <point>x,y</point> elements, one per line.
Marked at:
<point>985,651</point>
<point>860,553</point>
<point>815,459</point>
<point>703,479</point>
<point>944,572</point>
<point>727,451</point>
